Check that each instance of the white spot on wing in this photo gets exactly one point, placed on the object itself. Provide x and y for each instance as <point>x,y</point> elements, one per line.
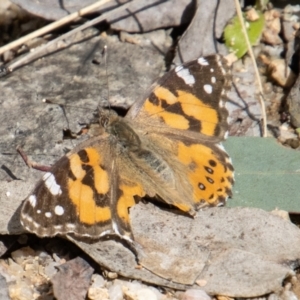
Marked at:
<point>213,79</point>
<point>32,200</point>
<point>221,147</point>
<point>59,210</point>
<point>36,225</point>
<point>70,226</point>
<point>208,88</point>
<point>185,75</point>
<point>28,218</point>
<point>202,61</point>
<point>58,227</point>
<point>105,232</point>
<point>125,237</point>
<point>51,184</point>
<point>48,214</point>
<point>46,175</point>
<point>115,228</point>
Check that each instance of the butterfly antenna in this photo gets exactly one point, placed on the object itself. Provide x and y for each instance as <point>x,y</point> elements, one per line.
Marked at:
<point>62,106</point>
<point>104,53</point>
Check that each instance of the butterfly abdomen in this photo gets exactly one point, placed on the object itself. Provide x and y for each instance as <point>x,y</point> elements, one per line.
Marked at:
<point>157,166</point>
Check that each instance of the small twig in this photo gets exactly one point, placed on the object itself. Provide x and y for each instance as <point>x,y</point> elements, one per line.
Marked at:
<point>61,40</point>
<point>30,163</point>
<point>65,20</point>
<point>261,97</point>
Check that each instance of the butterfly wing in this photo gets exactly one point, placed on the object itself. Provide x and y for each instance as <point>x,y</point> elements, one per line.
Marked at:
<point>188,101</point>
<point>185,118</point>
<point>82,194</point>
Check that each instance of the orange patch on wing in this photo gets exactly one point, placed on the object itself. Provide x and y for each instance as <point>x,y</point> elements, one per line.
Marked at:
<point>174,120</point>
<point>82,195</point>
<point>127,199</point>
<point>101,179</point>
<point>197,157</point>
<point>76,166</point>
<point>190,105</point>
<point>87,211</point>
<point>165,94</point>
<point>193,106</point>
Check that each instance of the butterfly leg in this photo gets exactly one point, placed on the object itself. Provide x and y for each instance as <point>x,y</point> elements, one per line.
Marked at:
<point>30,163</point>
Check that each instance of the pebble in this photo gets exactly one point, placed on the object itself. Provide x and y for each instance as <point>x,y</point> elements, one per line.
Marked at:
<point>98,281</point>
<point>195,294</point>
<point>140,294</point>
<point>115,292</point>
<point>20,291</point>
<point>51,269</point>
<point>19,255</point>
<point>96,293</point>
<point>14,268</point>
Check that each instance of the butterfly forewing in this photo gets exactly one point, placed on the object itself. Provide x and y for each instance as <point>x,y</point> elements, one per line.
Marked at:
<point>82,194</point>
<point>189,98</point>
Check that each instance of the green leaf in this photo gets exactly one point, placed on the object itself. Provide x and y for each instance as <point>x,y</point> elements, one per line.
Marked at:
<point>267,174</point>
<point>234,37</point>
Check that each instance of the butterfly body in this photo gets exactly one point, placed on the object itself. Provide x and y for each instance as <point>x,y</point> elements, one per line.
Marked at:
<point>167,146</point>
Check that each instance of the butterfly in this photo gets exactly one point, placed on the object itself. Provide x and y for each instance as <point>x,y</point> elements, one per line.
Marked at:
<point>167,146</point>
